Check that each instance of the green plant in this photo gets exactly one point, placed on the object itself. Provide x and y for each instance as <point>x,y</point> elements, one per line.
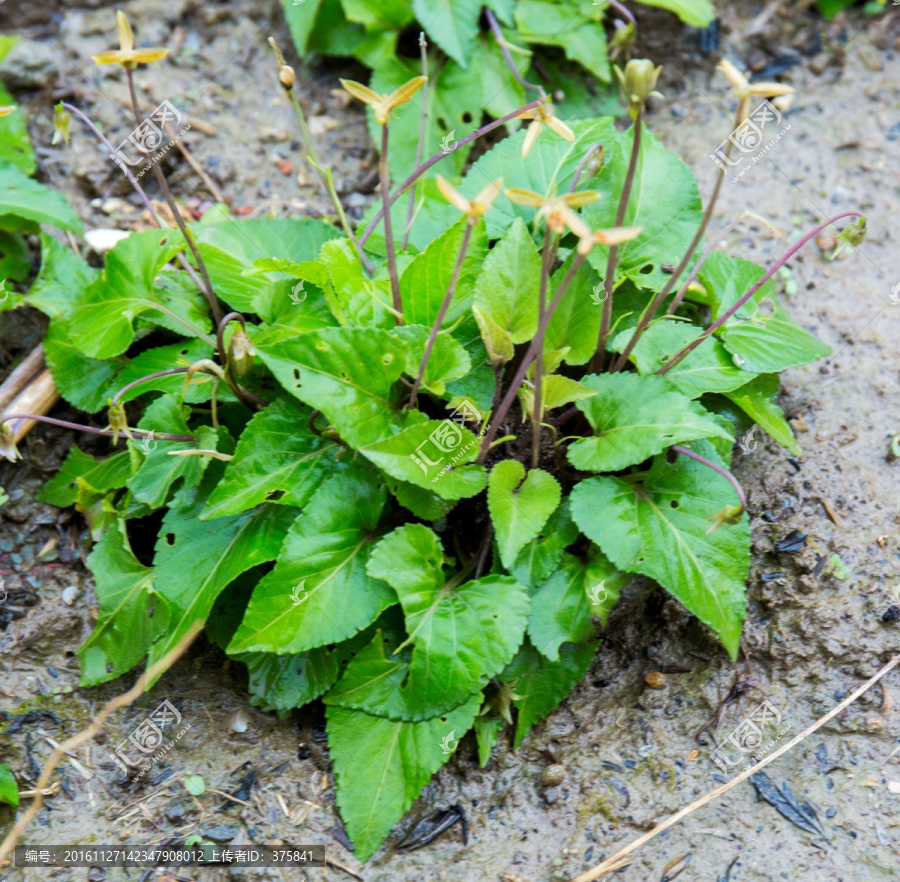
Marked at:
<point>455,459</point>
<point>554,47</point>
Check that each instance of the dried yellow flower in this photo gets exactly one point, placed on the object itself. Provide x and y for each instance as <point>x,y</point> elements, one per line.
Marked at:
<point>383,104</point>
<point>543,115</point>
<point>127,55</point>
<point>474,208</point>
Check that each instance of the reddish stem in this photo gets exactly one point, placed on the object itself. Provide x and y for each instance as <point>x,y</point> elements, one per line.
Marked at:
<point>65,424</point>
<point>685,451</point>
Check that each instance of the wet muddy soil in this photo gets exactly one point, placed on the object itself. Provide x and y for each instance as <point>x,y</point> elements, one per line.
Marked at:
<point>631,754</point>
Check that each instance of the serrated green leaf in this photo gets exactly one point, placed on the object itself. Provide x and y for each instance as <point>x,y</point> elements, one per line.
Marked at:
<point>757,400</point>
<point>63,278</point>
<point>362,300</point>
<point>435,456</point>
<point>709,368</point>
<point>576,321</point>
<point>156,476</point>
<point>664,202</point>
<point>9,789</point>
<point>83,382</point>
<point>230,247</point>
<point>542,684</point>
<point>560,609</point>
<point>278,458</point>
<point>448,359</point>
<point>771,341</point>
<point>301,18</point>
<point>660,528</point>
<point>507,287</point>
<point>519,508</point>
<point>319,591</point>
<point>101,323</point>
<point>22,199</point>
<point>602,583</point>
<point>382,765</point>
<point>452,24</point>
<point>347,373</point>
<point>424,284</point>
<point>132,614</point>
<point>576,28</point>
<point>557,391</point>
<point>541,556</point>
<point>421,502</point>
<point>195,560</point>
<point>106,473</point>
<point>461,635</point>
<point>727,279</point>
<point>161,358</point>
<point>284,682</point>
<point>633,418</point>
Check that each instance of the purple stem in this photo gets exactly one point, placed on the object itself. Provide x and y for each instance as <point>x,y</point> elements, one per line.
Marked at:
<point>147,379</point>
<point>220,332</point>
<point>79,428</point>
<point>729,313</point>
<point>417,173</point>
<point>622,11</point>
<point>587,157</point>
<point>137,189</point>
<point>507,56</point>
<point>536,344</point>
<point>423,51</point>
<point>718,470</point>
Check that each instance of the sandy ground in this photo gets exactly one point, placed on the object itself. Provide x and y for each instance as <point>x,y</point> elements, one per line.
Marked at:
<point>630,753</point>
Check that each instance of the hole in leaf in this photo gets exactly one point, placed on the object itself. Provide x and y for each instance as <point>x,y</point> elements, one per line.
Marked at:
<point>275,495</point>
<point>170,538</point>
<point>467,117</point>
<point>674,503</point>
<point>646,270</point>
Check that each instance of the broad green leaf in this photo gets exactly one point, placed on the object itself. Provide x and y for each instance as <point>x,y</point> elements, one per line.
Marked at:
<point>542,684</point>
<point>461,635</point>
<point>319,591</point>
<point>634,417</point>
<point>15,146</point>
<point>300,17</point>
<point>161,358</point>
<point>157,474</point>
<point>195,560</point>
<point>771,341</point>
<point>660,528</point>
<point>382,765</point>
<point>284,682</point>
<point>501,93</point>
<point>664,202</point>
<point>452,24</point>
<point>434,456</point>
<point>577,28</point>
<point>576,321</point>
<point>62,280</point>
<point>132,614</point>
<point>557,391</point>
<point>421,502</point>
<point>83,382</point>
<point>448,359</point>
<point>9,789</point>
<point>698,13</point>
<point>541,556</point>
<point>376,15</point>
<point>107,473</point>
<point>757,400</point>
<point>602,583</point>
<point>278,459</point>
<point>507,287</point>
<point>347,373</point>
<point>519,508</point>
<point>230,247</point>
<point>497,342</point>
<point>101,322</point>
<point>727,279</point>
<point>183,308</point>
<point>424,284</point>
<point>362,300</point>
<point>709,368</point>
<point>15,264</point>
<point>333,34</point>
<point>560,609</point>
<point>550,167</point>
<point>22,199</point>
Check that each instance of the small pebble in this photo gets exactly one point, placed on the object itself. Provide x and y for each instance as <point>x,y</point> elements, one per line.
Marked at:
<point>655,680</point>
<point>553,775</point>
<point>892,614</point>
<point>70,592</point>
<point>239,721</point>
